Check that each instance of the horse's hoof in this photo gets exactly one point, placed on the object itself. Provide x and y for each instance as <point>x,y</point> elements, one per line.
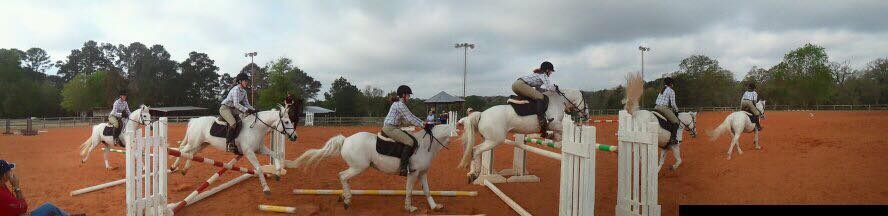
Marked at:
<point>410,208</point>
<point>438,207</point>
<point>112,168</point>
<point>277,178</point>
<point>339,199</point>
<point>758,147</point>
<point>729,157</point>
<point>267,193</point>
<point>674,167</point>
<point>472,178</point>
<point>345,205</point>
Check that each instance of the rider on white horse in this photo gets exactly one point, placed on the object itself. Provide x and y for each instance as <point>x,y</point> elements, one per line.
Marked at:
<point>666,106</point>
<point>234,104</point>
<point>118,110</point>
<point>747,103</point>
<point>398,113</point>
<point>528,86</point>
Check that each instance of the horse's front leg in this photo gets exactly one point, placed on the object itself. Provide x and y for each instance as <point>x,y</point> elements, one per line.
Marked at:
<point>676,153</point>
<point>423,178</point>
<point>251,156</point>
<point>756,140</point>
<point>411,180</point>
<point>475,169</point>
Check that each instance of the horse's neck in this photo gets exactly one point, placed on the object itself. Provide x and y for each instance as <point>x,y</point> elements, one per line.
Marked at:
<point>264,116</point>
<point>425,141</point>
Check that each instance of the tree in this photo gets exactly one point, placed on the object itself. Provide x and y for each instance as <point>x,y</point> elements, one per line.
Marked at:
<point>805,74</point>
<point>377,102</point>
<point>345,98</point>
<point>154,79</point>
<point>200,80</point>
<point>87,59</point>
<point>36,60</point>
<point>701,81</point>
<point>874,86</point>
<point>284,77</point>
<point>87,91</point>
<point>24,92</point>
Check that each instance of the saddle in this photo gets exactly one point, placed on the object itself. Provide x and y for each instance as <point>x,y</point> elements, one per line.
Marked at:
<point>112,131</point>
<point>220,128</point>
<point>664,123</point>
<point>526,106</point>
<point>389,147</point>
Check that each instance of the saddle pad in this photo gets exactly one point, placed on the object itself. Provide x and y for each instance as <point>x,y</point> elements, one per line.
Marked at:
<point>388,147</point>
<point>527,108</point>
<point>221,130</point>
<point>108,131</point>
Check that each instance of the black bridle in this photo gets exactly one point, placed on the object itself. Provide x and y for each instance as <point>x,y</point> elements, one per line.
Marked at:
<point>687,128</point>
<point>141,119</point>
<point>584,112</point>
<point>433,139</point>
<point>280,122</point>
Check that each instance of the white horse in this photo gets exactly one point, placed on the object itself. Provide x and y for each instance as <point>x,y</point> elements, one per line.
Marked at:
<point>688,120</point>
<point>140,116</point>
<point>250,138</point>
<point>497,122</point>
<point>739,123</point>
<point>359,152</point>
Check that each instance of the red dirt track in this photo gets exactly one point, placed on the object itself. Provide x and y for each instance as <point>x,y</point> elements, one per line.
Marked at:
<point>832,158</point>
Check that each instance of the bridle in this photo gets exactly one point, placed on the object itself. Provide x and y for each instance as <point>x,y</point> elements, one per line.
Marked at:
<point>280,122</point>
<point>584,112</point>
<point>141,118</point>
<point>433,139</point>
<point>687,128</point>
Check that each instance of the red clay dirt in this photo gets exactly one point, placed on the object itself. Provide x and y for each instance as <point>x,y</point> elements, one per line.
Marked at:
<point>832,158</point>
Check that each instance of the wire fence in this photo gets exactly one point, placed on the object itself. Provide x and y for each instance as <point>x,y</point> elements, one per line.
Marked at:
<point>39,123</point>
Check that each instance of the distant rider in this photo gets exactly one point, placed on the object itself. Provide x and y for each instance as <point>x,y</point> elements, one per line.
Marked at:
<point>666,106</point>
<point>119,111</point>
<point>747,102</point>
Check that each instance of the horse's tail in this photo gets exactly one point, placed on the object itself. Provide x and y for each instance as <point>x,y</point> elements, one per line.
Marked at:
<point>312,156</point>
<point>470,126</point>
<point>634,89</point>
<point>90,143</point>
<point>718,131</point>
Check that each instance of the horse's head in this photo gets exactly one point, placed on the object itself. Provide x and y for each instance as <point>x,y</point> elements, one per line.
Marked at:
<point>761,107</point>
<point>142,115</point>
<point>689,122</point>
<point>574,101</point>
<point>286,126</point>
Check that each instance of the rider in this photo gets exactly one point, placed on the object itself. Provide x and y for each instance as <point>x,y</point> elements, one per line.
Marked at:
<point>666,106</point>
<point>398,113</point>
<point>747,102</point>
<point>234,104</point>
<point>528,86</point>
<point>118,111</point>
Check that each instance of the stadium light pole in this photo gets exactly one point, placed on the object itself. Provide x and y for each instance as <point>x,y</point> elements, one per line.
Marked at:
<point>466,47</point>
<point>252,76</point>
<point>642,49</point>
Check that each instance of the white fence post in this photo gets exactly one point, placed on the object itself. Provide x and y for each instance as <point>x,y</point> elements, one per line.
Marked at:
<point>577,169</point>
<point>637,168</point>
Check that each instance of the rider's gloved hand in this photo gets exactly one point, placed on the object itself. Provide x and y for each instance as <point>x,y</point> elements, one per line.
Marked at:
<point>428,127</point>
<point>251,111</point>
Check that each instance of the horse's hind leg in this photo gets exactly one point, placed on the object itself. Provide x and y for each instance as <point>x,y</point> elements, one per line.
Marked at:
<point>105,155</point>
<point>344,176</point>
<point>735,141</point>
<point>487,145</point>
<point>676,153</point>
<point>411,180</point>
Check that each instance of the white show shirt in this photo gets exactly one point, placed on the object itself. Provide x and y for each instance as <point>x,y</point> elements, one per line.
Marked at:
<point>750,95</point>
<point>667,98</point>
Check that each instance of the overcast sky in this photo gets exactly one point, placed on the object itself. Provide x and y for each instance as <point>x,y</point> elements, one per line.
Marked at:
<point>387,43</point>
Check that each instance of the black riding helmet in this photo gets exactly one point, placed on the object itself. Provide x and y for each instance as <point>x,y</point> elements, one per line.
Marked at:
<point>668,81</point>
<point>751,86</point>
<point>404,89</point>
<point>241,76</point>
<point>122,92</point>
<point>547,66</point>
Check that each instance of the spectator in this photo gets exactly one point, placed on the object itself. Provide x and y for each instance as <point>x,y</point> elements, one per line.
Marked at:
<point>12,203</point>
<point>431,118</point>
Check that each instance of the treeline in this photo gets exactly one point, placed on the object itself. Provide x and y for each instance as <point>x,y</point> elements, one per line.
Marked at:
<point>91,76</point>
<point>805,76</point>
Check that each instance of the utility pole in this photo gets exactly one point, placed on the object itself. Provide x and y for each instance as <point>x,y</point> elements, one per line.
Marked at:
<point>642,49</point>
<point>466,47</point>
<point>252,76</point>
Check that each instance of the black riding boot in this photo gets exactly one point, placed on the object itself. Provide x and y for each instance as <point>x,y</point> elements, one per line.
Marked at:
<point>117,139</point>
<point>673,138</point>
<point>405,160</point>
<point>541,117</point>
<point>758,125</point>
<point>231,147</point>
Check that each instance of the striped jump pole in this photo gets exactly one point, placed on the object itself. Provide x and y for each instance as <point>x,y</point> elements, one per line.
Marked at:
<point>384,192</point>
<point>279,209</point>
<point>177,153</point>
<point>553,144</point>
<point>203,186</point>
